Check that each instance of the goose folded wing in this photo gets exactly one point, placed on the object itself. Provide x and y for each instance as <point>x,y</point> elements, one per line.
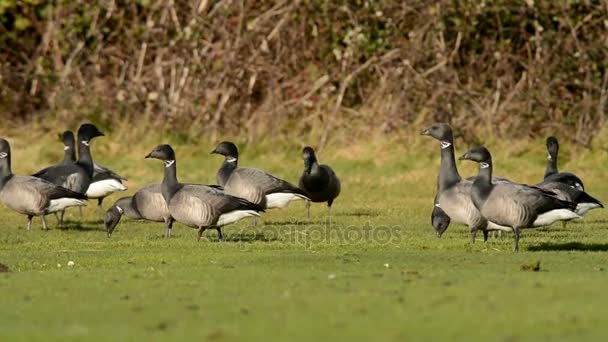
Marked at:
<point>219,199</point>
<point>106,173</point>
<point>51,190</point>
<point>267,182</point>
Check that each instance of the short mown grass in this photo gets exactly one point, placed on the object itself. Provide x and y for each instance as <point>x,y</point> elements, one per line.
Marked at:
<point>374,270</point>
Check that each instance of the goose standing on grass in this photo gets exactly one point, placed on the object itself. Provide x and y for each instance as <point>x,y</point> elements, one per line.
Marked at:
<point>318,181</point>
<point>517,206</point>
<point>146,204</point>
<point>29,195</point>
<point>453,195</point>
<point>252,184</point>
<point>77,176</point>
<point>198,206</point>
<point>551,172</point>
<point>105,181</point>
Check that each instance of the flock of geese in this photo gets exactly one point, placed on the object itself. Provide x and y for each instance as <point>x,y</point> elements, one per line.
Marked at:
<point>490,203</point>
<point>241,191</point>
<point>483,202</point>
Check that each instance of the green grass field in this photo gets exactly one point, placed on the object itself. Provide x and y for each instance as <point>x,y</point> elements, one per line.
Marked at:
<point>374,271</point>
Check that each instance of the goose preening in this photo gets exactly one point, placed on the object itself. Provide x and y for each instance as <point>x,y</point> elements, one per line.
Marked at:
<point>252,184</point>
<point>198,206</point>
<point>453,195</point>
<point>104,182</point>
<point>318,181</point>
<point>517,206</point>
<point>29,195</point>
<point>551,172</point>
<point>146,204</point>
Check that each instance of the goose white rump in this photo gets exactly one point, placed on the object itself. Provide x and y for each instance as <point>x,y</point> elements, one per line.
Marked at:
<point>63,203</point>
<point>235,216</point>
<point>104,187</point>
<point>282,199</point>
<point>549,217</point>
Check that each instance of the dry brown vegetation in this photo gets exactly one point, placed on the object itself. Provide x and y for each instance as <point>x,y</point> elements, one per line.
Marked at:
<point>315,68</point>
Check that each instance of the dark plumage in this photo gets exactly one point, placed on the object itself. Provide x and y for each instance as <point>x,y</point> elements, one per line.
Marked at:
<point>516,206</point>
<point>318,181</point>
<point>104,182</point>
<point>252,184</point>
<point>198,206</point>
<point>29,195</point>
<point>551,172</point>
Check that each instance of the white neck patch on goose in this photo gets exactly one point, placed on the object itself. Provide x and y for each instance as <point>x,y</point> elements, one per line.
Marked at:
<point>85,143</point>
<point>445,144</point>
<point>437,205</point>
<point>484,165</point>
<point>66,148</point>
<point>119,209</point>
<point>230,159</point>
<point>550,157</point>
<point>169,163</point>
<point>3,155</point>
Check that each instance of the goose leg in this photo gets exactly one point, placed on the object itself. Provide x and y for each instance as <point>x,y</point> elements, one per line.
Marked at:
<point>80,210</point>
<point>473,235</point>
<point>485,236</point>
<point>169,224</point>
<point>201,230</point>
<point>307,208</point>
<point>99,207</point>
<point>220,237</point>
<point>44,226</point>
<point>516,244</point>
<point>61,218</point>
<point>255,221</point>
<point>29,222</point>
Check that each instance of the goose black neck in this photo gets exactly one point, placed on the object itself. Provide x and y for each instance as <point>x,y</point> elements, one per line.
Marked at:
<point>170,184</point>
<point>551,165</point>
<point>228,166</point>
<point>448,173</point>
<point>311,166</point>
<point>69,154</point>
<point>85,159</point>
<point>5,170</point>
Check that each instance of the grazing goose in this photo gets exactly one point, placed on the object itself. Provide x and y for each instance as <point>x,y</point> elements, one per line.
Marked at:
<point>76,176</point>
<point>439,220</point>
<point>512,205</point>
<point>454,193</point>
<point>551,172</point>
<point>198,206</point>
<point>252,184</point>
<point>105,181</point>
<point>29,195</point>
<point>318,181</point>
<point>146,204</point>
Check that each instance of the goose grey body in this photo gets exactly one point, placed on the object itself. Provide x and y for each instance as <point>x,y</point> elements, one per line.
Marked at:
<point>104,181</point>
<point>252,184</point>
<point>453,195</point>
<point>198,206</point>
<point>29,195</point>
<point>318,181</point>
<point>517,206</point>
<point>146,204</point>
<point>551,172</point>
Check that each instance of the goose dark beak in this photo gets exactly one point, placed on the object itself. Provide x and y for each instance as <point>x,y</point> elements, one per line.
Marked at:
<point>214,151</point>
<point>149,155</point>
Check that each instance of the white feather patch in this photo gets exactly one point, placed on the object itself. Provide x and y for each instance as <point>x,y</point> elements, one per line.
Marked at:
<point>549,217</point>
<point>494,226</point>
<point>282,199</point>
<point>583,208</point>
<point>104,187</point>
<point>230,159</point>
<point>484,165</point>
<point>445,144</point>
<point>234,216</point>
<point>63,203</point>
